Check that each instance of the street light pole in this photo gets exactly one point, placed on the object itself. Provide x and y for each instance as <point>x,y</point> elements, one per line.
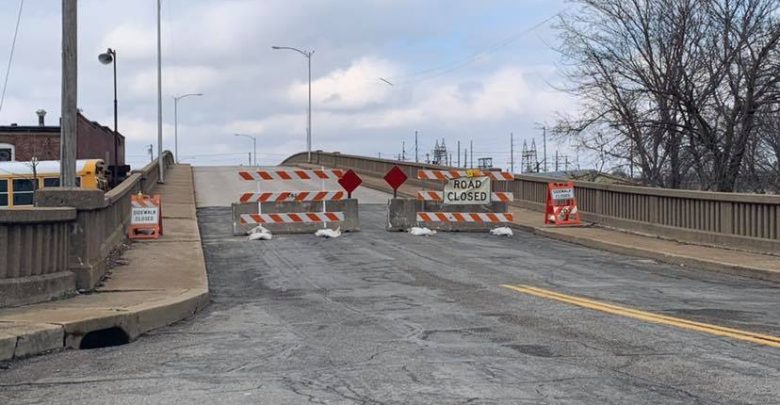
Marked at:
<point>160,162</point>
<point>254,144</point>
<point>176,123</point>
<point>105,58</point>
<point>308,55</point>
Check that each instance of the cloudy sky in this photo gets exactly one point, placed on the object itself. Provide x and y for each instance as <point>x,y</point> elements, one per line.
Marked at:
<point>462,70</point>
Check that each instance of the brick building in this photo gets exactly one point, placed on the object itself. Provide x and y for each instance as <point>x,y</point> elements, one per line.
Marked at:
<point>94,141</point>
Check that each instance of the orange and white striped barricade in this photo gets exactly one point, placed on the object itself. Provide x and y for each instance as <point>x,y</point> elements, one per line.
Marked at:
<point>291,174</point>
<point>456,174</point>
<point>481,217</point>
<point>464,188</point>
<point>284,202</point>
<point>145,217</point>
<point>293,196</point>
<point>561,207</point>
<point>292,218</point>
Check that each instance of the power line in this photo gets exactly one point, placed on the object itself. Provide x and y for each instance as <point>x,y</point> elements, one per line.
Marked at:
<point>431,73</point>
<point>11,55</point>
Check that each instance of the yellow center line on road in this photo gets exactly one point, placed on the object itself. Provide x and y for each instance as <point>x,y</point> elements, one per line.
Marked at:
<point>738,334</point>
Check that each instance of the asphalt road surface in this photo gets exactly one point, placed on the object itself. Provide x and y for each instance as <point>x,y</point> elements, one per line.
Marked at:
<point>388,318</point>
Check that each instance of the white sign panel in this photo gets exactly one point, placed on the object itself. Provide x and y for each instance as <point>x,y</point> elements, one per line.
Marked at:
<point>143,216</point>
<point>467,190</point>
<point>563,194</point>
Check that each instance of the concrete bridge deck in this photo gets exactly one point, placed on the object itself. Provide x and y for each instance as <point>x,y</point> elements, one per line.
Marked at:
<point>381,317</point>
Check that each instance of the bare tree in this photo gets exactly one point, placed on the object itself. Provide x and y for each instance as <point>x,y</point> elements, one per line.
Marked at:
<point>672,86</point>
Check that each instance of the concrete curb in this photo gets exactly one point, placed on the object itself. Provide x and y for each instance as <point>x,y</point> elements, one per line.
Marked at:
<point>20,339</point>
<point>663,257</point>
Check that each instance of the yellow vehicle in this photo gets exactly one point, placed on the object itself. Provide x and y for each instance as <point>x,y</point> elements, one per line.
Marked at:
<point>17,179</point>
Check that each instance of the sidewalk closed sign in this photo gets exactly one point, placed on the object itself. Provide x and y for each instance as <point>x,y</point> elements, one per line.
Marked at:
<point>145,215</point>
<point>467,190</point>
<point>562,193</point>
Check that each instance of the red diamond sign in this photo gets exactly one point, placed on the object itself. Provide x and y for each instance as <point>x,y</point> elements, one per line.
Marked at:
<point>395,178</point>
<point>350,181</point>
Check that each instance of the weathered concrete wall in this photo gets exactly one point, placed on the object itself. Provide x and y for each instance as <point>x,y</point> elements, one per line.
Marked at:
<point>743,221</point>
<point>34,254</point>
<point>402,215</point>
<point>62,244</point>
<point>348,207</point>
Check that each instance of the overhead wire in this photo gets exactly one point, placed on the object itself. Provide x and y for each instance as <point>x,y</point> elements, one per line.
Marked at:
<point>11,54</point>
<point>431,73</point>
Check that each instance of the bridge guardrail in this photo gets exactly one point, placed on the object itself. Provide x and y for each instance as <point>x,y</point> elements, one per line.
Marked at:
<point>62,244</point>
<point>737,220</point>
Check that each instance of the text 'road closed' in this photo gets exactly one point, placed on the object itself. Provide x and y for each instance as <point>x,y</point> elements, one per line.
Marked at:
<point>467,190</point>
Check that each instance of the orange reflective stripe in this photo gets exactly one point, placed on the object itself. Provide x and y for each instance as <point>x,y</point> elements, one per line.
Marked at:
<point>276,217</point>
<point>332,216</point>
<point>294,217</point>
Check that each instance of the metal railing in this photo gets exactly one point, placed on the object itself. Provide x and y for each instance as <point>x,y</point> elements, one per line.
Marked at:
<point>742,221</point>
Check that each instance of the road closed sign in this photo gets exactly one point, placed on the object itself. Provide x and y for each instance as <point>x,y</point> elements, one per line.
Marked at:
<point>467,190</point>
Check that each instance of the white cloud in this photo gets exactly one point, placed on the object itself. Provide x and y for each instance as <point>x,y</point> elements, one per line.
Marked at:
<point>222,49</point>
<point>355,87</point>
<point>132,41</point>
<point>177,80</point>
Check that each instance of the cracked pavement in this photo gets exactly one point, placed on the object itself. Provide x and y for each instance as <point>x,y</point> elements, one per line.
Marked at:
<point>387,318</point>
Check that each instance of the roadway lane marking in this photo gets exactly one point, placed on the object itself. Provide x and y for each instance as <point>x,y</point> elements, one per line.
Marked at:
<point>738,334</point>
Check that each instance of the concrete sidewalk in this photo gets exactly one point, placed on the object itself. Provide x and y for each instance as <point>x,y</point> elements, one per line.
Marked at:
<point>164,281</point>
<point>736,262</point>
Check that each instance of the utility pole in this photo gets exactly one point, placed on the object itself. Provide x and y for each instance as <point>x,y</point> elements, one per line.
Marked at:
<point>416,160</point>
<point>403,151</point>
<point>556,160</point>
<point>511,152</point>
<point>471,161</point>
<point>631,160</point>
<point>458,153</point>
<point>68,137</point>
<point>544,146</point>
